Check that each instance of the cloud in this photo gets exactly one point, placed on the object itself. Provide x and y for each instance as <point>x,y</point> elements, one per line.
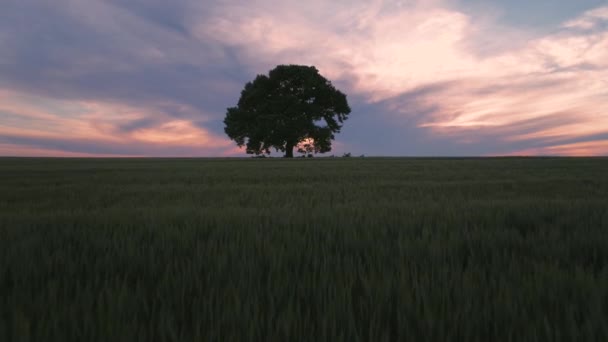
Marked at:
<point>98,50</point>
<point>589,20</point>
<point>100,76</point>
<point>100,128</point>
<point>424,53</point>
<point>587,148</point>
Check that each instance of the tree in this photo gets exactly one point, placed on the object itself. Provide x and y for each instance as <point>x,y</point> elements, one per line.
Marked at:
<point>294,103</point>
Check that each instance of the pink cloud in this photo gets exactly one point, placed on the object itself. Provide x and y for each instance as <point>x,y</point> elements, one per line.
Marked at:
<point>180,132</point>
<point>521,88</point>
<point>37,118</point>
<point>581,149</point>
<point>589,19</point>
<point>385,50</point>
<point>15,150</point>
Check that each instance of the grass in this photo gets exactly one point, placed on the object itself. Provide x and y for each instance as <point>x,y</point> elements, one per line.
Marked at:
<point>333,249</point>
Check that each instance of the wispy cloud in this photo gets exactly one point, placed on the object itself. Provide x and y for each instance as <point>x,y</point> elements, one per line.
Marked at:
<point>385,52</point>
<point>587,148</point>
<point>97,128</point>
<point>154,78</point>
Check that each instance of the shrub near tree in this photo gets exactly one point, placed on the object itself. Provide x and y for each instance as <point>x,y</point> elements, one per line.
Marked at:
<point>294,104</point>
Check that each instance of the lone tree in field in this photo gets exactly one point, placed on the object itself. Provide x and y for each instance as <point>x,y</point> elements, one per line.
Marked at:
<point>293,104</point>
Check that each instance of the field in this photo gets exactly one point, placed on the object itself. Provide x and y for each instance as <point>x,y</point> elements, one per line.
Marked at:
<point>322,249</point>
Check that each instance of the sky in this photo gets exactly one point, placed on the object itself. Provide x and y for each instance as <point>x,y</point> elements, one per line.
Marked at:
<point>153,78</point>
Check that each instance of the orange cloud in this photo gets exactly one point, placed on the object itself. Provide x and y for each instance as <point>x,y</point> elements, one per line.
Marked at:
<point>581,149</point>
<point>180,132</point>
<point>38,118</point>
<point>14,150</point>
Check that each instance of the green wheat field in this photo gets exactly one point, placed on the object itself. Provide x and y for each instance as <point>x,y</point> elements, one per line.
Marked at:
<point>321,249</point>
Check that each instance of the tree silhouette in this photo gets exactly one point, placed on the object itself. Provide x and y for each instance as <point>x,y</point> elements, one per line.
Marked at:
<point>294,103</point>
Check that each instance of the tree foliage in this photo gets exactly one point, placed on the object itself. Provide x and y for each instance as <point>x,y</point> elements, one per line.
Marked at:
<point>294,103</point>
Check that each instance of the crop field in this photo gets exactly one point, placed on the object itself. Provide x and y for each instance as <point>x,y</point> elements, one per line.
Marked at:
<point>321,249</point>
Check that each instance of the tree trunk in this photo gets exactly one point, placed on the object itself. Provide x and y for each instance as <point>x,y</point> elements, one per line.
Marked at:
<point>289,150</point>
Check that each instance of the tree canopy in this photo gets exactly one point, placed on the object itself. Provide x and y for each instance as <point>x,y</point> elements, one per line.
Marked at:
<point>293,104</point>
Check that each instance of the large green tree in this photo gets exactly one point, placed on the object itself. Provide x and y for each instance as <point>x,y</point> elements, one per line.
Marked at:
<point>294,103</point>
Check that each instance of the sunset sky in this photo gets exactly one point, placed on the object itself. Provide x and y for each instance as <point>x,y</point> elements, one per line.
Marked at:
<point>423,77</point>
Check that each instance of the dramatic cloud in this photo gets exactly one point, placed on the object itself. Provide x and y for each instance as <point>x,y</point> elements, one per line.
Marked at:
<point>31,124</point>
<point>424,77</point>
<point>551,88</point>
